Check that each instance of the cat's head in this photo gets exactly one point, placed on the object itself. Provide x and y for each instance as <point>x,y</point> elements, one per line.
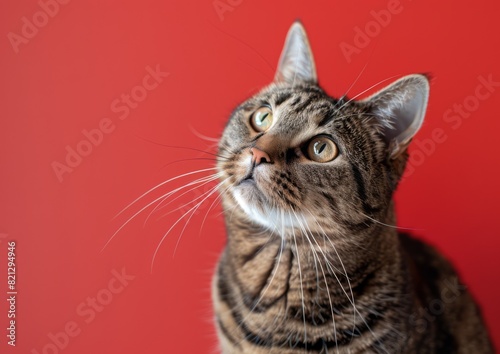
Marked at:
<point>293,156</point>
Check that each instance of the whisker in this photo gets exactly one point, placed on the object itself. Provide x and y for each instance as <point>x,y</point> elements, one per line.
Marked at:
<point>217,199</point>
<point>201,136</point>
<point>331,266</point>
<point>368,89</point>
<point>183,147</point>
<point>190,159</point>
<point>324,278</point>
<point>322,270</point>
<point>350,300</point>
<point>271,67</point>
<point>301,285</point>
<point>162,184</point>
<point>356,209</point>
<point>391,226</point>
<point>353,83</point>
<point>170,229</point>
<point>209,194</point>
<point>200,183</point>
<point>141,210</point>
<point>226,148</point>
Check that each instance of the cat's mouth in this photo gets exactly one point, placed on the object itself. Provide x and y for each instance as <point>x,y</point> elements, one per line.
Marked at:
<point>250,188</point>
<point>248,178</point>
<point>263,201</point>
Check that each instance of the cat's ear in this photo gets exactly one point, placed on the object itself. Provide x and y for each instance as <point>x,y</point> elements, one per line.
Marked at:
<point>296,63</point>
<point>400,110</point>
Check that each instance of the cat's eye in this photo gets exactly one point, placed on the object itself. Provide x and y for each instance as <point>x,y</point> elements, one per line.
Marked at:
<point>322,149</point>
<point>262,119</point>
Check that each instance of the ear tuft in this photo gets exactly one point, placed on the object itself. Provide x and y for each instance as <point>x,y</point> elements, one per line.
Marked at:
<point>296,63</point>
<point>400,109</point>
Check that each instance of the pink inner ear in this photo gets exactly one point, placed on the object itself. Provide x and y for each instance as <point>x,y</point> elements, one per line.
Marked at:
<point>401,108</point>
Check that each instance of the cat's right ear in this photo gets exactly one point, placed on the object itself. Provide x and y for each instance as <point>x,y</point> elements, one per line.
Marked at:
<point>400,110</point>
<point>296,63</point>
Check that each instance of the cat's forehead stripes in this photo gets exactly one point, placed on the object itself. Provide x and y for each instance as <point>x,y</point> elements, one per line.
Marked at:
<point>313,104</point>
<point>282,97</point>
<point>298,116</point>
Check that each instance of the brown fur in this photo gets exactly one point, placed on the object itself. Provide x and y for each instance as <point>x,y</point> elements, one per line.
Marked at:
<point>312,264</point>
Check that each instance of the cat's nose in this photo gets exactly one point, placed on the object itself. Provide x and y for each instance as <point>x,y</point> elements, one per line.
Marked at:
<point>259,156</point>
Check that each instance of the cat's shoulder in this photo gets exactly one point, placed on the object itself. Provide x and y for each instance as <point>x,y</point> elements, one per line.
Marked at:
<point>442,296</point>
<point>429,261</point>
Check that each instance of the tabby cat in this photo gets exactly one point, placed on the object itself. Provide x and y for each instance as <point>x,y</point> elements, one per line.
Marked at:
<point>312,262</point>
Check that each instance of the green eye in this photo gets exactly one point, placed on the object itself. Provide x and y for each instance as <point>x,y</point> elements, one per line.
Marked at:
<point>322,149</point>
<point>262,119</point>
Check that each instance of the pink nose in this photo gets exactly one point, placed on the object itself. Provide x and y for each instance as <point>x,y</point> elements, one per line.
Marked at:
<point>259,156</point>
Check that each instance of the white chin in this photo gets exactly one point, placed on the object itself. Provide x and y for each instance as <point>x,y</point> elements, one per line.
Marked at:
<point>271,218</point>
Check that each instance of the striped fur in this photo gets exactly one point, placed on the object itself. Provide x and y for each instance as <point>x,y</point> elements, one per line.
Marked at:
<point>310,265</point>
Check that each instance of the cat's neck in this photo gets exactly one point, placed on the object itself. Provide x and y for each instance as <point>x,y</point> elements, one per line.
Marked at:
<point>292,270</point>
<point>349,255</point>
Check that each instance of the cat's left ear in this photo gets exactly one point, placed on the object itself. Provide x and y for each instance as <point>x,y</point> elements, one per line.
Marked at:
<point>296,63</point>
<point>400,110</point>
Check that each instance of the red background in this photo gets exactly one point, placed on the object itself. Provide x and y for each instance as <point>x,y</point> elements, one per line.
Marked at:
<point>91,52</point>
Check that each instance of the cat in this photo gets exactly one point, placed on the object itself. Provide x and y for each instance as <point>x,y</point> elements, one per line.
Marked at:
<point>312,262</point>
